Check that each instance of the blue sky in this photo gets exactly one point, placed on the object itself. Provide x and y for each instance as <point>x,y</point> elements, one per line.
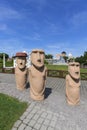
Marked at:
<point>51,25</point>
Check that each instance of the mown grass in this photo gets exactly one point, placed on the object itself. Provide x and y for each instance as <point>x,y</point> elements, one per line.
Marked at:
<point>63,67</point>
<point>83,70</point>
<point>10,111</point>
<point>57,67</point>
<point>50,67</point>
<point>7,63</point>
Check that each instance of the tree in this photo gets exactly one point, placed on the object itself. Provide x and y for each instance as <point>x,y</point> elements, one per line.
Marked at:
<point>85,54</point>
<point>48,56</point>
<point>65,58</point>
<point>82,59</point>
<point>6,55</point>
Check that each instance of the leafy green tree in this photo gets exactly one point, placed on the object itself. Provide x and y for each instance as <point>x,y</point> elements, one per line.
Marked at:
<point>65,58</point>
<point>6,55</point>
<point>48,56</point>
<point>85,54</point>
<point>82,59</point>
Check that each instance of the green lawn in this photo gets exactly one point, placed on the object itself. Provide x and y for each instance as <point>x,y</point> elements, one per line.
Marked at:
<point>83,70</point>
<point>57,67</point>
<point>10,111</point>
<point>63,67</point>
<point>7,63</point>
<point>52,67</point>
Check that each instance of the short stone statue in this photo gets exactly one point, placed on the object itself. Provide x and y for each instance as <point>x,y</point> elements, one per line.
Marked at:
<point>21,70</point>
<point>37,74</point>
<point>73,83</point>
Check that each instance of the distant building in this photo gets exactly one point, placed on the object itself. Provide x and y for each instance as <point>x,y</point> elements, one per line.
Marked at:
<point>59,60</point>
<point>70,58</point>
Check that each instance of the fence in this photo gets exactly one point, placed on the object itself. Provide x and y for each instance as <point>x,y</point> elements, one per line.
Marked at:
<point>62,74</point>
<point>7,70</point>
<point>50,73</point>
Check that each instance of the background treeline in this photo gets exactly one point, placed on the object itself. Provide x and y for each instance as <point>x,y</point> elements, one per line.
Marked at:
<point>81,59</point>
<point>1,56</point>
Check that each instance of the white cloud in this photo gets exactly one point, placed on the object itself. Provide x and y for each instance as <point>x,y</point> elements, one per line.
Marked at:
<point>8,13</point>
<point>59,45</point>
<point>53,27</point>
<point>11,46</point>
<point>79,18</point>
<point>34,37</point>
<point>38,4</point>
<point>3,27</point>
<point>53,46</point>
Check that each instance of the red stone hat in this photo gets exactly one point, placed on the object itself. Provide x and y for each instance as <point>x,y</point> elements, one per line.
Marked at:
<point>20,54</point>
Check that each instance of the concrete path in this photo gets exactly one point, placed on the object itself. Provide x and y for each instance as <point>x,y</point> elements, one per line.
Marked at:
<point>51,114</point>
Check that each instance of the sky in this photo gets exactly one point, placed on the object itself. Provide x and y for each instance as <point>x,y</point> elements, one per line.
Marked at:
<point>52,25</point>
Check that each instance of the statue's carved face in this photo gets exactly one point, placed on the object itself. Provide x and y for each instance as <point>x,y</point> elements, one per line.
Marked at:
<point>21,62</point>
<point>37,58</point>
<point>74,70</point>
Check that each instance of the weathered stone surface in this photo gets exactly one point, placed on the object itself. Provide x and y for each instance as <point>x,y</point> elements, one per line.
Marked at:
<point>37,75</point>
<point>73,83</point>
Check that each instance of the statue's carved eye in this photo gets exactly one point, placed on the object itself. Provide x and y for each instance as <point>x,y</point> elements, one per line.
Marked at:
<point>35,52</point>
<point>72,65</point>
<point>41,53</point>
<point>77,65</point>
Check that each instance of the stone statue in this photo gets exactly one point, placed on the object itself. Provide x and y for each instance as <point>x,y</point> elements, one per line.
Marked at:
<point>73,83</point>
<point>21,70</point>
<point>37,74</point>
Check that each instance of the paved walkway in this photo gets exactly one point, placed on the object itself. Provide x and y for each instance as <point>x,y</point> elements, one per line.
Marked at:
<point>51,114</point>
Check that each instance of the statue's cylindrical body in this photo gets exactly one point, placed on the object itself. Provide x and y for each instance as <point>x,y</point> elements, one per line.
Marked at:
<point>73,83</point>
<point>37,75</point>
<point>21,71</point>
<point>21,78</point>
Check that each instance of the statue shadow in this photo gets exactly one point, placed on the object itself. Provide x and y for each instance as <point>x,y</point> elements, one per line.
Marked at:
<point>27,85</point>
<point>48,91</point>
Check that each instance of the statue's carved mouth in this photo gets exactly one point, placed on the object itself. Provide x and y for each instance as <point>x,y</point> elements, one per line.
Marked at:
<point>77,73</point>
<point>39,61</point>
<point>20,63</point>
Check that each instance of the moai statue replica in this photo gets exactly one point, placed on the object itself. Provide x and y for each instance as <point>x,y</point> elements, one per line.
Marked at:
<point>37,74</point>
<point>21,70</point>
<point>73,83</point>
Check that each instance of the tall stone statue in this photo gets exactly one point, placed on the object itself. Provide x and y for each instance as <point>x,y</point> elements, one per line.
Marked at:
<point>21,70</point>
<point>37,74</point>
<point>73,83</point>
